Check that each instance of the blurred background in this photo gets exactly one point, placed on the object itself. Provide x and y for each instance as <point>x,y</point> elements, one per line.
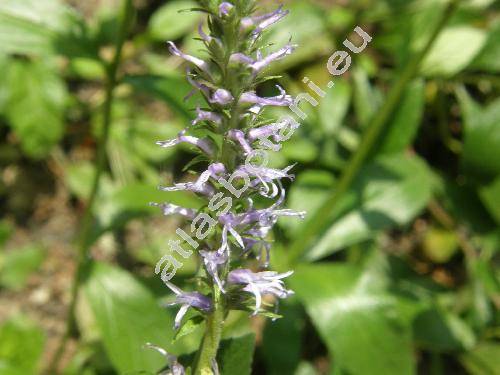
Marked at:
<point>404,280</point>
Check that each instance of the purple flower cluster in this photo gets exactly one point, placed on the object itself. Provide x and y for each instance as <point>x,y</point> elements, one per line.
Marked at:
<point>245,196</point>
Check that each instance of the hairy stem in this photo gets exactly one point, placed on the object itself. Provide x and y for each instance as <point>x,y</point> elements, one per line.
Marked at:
<point>210,344</point>
<point>84,237</point>
<point>322,217</point>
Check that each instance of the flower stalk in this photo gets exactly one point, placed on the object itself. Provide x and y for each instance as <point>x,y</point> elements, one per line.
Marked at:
<point>244,195</point>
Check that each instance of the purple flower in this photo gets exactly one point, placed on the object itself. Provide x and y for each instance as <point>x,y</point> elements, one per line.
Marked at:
<point>265,177</point>
<point>175,367</point>
<point>202,144</point>
<point>187,300</point>
<point>282,100</point>
<point>260,284</point>
<point>264,132</point>
<point>263,21</point>
<point>201,185</point>
<point>225,8</point>
<point>261,63</point>
<point>222,97</point>
<point>239,136</point>
<point>206,116</point>
<point>212,261</point>
<point>201,64</point>
<point>171,209</point>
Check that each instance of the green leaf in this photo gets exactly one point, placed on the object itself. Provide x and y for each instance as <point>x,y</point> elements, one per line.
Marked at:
<point>282,340</point>
<point>189,326</point>
<point>358,322</point>
<point>483,359</point>
<point>490,196</point>
<point>29,26</point>
<point>235,356</point>
<point>128,316</point>
<point>388,192</point>
<point>6,230</point>
<point>334,106</point>
<point>404,124</point>
<point>442,331</point>
<point>453,51</point>
<point>366,97</point>
<point>35,107</point>
<point>17,265</point>
<point>171,90</point>
<point>308,26</point>
<point>481,154</point>
<point>488,59</point>
<point>168,23</point>
<point>21,346</point>
<point>308,193</point>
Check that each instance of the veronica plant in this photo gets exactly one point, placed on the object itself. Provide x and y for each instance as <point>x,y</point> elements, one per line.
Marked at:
<point>244,195</point>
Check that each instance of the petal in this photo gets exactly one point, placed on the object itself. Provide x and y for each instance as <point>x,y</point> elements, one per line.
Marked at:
<point>180,314</point>
<point>201,64</point>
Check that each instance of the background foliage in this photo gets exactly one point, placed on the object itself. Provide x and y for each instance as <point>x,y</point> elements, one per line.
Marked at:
<point>403,280</point>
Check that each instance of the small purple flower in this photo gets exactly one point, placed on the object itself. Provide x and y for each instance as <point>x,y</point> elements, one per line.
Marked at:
<point>171,209</point>
<point>202,144</point>
<point>260,284</point>
<point>225,8</point>
<point>187,300</point>
<point>190,186</point>
<point>261,63</point>
<point>212,261</point>
<point>206,116</point>
<point>175,367</point>
<point>222,97</point>
<point>282,100</point>
<point>201,64</point>
<point>265,177</point>
<point>239,136</point>
<point>263,21</point>
<point>264,132</point>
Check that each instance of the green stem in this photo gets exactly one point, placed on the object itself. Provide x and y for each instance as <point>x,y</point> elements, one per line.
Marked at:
<point>210,344</point>
<point>322,218</point>
<point>84,237</point>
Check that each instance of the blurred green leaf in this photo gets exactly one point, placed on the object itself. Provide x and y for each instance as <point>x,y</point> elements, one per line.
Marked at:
<point>404,124</point>
<point>171,90</point>
<point>388,192</point>
<point>300,149</point>
<point>30,26</point>
<point>17,265</point>
<point>481,153</point>
<point>358,322</point>
<point>6,230</point>
<point>442,331</point>
<point>367,98</point>
<point>128,317</point>
<point>308,193</point>
<point>490,195</point>
<point>453,51</point>
<point>133,200</point>
<point>309,31</point>
<point>488,59</point>
<point>334,106</point>
<point>483,359</point>
<point>168,23</point>
<point>21,346</point>
<point>235,356</point>
<point>282,340</point>
<point>35,107</point>
<point>188,326</point>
